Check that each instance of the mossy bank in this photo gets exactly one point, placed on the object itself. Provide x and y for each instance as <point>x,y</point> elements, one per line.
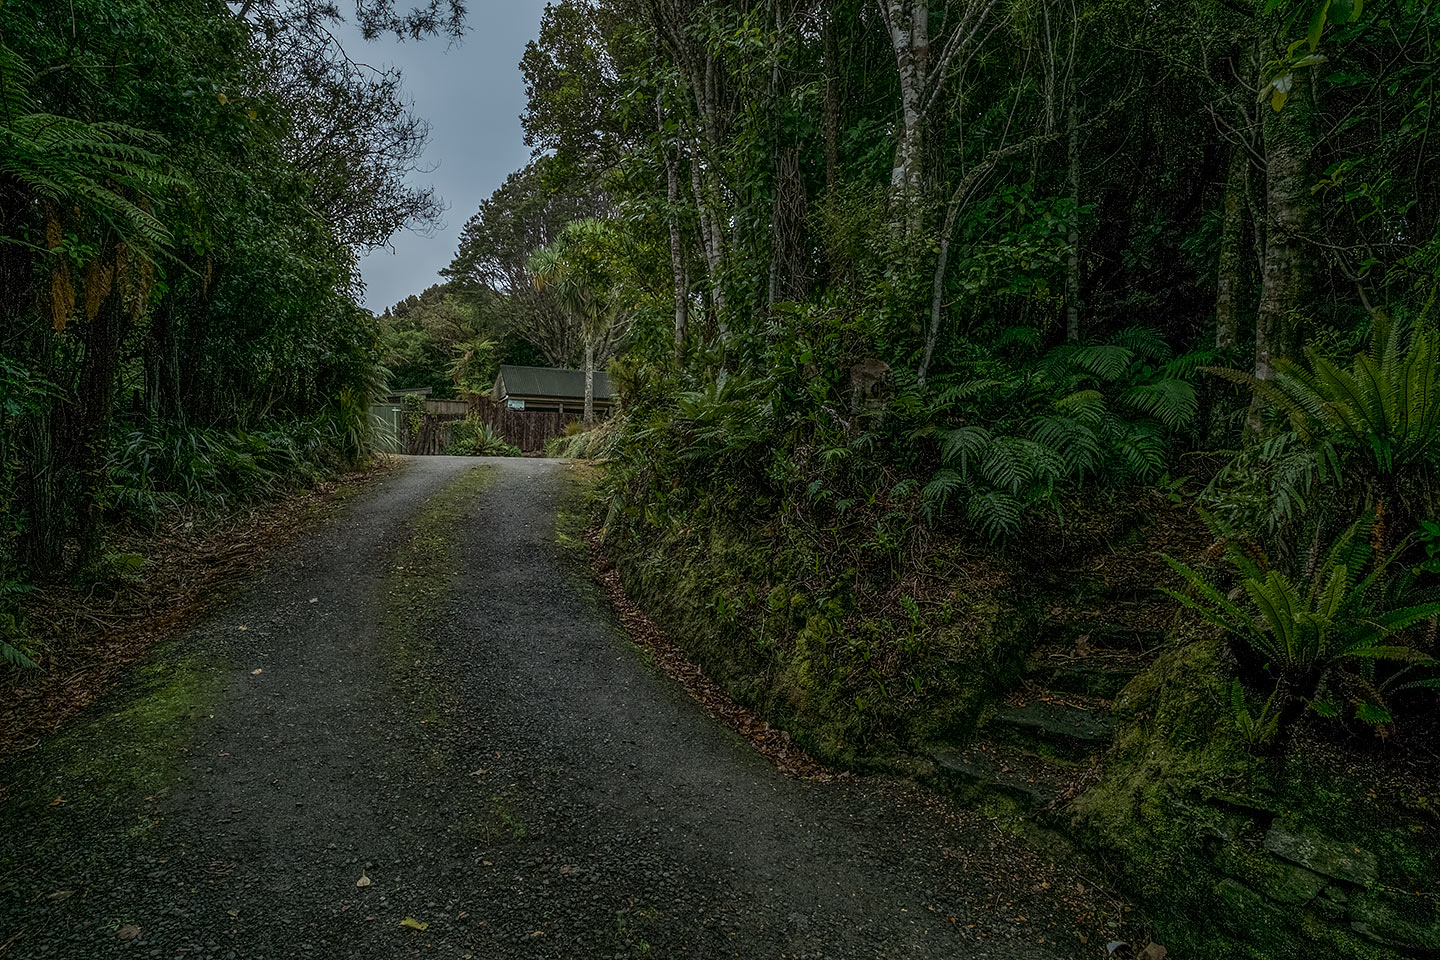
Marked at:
<point>1053,686</point>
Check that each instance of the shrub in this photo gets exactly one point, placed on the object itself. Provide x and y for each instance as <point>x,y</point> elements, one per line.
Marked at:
<point>1369,431</point>
<point>597,443</point>
<point>1323,634</point>
<point>473,437</point>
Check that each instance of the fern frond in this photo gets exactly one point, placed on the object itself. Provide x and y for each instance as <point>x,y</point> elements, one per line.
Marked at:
<point>1172,402</point>
<point>1106,361</point>
<point>997,514</point>
<point>1144,342</point>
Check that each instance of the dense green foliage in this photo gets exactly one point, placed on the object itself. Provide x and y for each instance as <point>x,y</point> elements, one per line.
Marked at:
<point>961,267</point>
<point>184,190</point>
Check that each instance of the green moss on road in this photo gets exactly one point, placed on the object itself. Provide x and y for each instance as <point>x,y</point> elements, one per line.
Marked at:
<point>114,764</point>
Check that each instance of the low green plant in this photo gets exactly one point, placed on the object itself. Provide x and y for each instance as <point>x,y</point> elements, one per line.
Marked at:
<point>1321,633</point>
<point>1256,729</point>
<point>473,437</point>
<point>1082,411</point>
<point>1370,431</point>
<point>155,468</point>
<point>597,443</point>
<point>16,648</point>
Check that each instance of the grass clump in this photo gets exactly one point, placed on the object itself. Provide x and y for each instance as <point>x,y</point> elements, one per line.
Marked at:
<point>473,437</point>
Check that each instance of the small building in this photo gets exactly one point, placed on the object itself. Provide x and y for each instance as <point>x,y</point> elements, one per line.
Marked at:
<point>549,390</point>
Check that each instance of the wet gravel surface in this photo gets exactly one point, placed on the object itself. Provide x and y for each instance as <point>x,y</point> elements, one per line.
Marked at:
<point>532,788</point>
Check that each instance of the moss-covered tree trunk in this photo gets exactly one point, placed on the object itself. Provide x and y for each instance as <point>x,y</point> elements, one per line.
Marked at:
<point>1287,275</point>
<point>680,274</point>
<point>909,25</point>
<point>1230,279</point>
<point>1072,238</point>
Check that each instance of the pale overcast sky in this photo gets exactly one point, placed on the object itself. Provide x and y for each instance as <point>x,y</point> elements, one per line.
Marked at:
<point>472,94</point>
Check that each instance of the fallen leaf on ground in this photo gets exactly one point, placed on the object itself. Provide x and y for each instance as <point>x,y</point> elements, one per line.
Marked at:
<point>413,924</point>
<point>61,895</point>
<point>257,670</point>
<point>128,932</point>
<point>57,801</point>
<point>364,881</point>
<point>233,913</point>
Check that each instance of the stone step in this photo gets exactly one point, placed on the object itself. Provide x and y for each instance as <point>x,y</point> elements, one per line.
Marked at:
<point>1078,730</point>
<point>987,767</point>
<point>1093,673</point>
<point>1116,635</point>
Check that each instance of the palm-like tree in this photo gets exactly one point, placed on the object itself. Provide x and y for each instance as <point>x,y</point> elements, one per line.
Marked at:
<point>580,269</point>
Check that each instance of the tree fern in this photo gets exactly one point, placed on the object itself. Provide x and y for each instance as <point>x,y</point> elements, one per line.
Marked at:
<point>1107,361</point>
<point>996,514</point>
<point>1108,416</point>
<point>1143,342</point>
<point>110,169</point>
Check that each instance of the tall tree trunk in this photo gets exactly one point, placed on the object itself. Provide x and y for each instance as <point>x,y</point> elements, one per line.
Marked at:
<point>1290,211</point>
<point>909,24</point>
<point>710,240</point>
<point>937,292</point>
<point>1072,239</point>
<point>589,380</point>
<point>677,242</point>
<point>832,109</point>
<point>1231,272</point>
<point>85,440</point>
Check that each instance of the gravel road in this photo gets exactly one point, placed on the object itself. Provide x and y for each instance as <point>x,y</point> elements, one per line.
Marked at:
<point>428,699</point>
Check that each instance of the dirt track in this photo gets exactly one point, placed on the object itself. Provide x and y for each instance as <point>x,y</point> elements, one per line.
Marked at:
<point>429,694</point>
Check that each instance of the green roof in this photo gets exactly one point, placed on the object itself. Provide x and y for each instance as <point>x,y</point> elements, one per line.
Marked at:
<point>522,383</point>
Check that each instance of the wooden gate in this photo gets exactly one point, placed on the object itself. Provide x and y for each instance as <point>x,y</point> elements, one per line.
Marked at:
<point>432,436</point>
<point>527,429</point>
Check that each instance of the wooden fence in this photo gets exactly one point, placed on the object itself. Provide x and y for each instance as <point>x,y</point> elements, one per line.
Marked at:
<point>432,437</point>
<point>526,429</point>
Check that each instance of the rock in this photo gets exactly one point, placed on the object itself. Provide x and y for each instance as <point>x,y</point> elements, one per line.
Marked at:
<point>1247,913</point>
<point>1330,905</point>
<point>1279,881</point>
<point>1093,677</point>
<point>1009,770</point>
<point>1411,924</point>
<point>1057,721</point>
<point>1332,858</point>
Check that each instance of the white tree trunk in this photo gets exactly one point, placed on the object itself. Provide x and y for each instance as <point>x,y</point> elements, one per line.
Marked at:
<point>909,23</point>
<point>1286,274</point>
<point>589,380</point>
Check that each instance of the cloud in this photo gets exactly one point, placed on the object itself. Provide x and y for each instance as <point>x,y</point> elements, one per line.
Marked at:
<point>473,94</point>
